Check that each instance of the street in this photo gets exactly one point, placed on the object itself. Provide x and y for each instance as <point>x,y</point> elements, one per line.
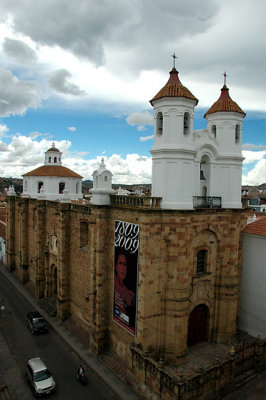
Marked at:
<point>56,354</point>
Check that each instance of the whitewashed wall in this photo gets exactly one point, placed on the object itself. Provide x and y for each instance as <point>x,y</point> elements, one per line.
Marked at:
<point>252,317</point>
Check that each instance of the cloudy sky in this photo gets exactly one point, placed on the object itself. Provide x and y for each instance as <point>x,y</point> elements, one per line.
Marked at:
<point>82,73</point>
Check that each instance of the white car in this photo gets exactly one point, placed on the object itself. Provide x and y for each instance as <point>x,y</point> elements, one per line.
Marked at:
<point>39,377</point>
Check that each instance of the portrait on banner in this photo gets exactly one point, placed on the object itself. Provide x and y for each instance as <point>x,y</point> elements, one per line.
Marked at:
<point>126,251</point>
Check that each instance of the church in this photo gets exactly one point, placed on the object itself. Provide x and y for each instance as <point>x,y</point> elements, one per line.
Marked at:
<point>148,278</point>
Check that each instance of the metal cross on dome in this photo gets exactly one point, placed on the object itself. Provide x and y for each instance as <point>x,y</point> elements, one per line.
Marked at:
<point>225,76</point>
<point>174,58</point>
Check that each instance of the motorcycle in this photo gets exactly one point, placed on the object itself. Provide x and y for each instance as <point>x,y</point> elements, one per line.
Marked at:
<point>82,378</point>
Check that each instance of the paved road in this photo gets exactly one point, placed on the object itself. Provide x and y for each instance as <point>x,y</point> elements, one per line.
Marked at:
<point>22,345</point>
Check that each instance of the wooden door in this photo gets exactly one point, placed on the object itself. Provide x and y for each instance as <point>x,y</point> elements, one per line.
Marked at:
<point>198,325</point>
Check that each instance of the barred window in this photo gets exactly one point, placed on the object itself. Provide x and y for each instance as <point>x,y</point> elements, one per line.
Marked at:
<point>201,261</point>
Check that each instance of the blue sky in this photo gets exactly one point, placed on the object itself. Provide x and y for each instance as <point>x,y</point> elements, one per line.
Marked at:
<point>85,81</point>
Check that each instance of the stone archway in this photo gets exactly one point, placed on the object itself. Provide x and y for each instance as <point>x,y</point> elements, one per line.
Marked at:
<point>198,325</point>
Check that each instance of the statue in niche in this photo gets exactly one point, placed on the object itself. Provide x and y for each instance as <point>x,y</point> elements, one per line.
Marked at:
<point>52,243</point>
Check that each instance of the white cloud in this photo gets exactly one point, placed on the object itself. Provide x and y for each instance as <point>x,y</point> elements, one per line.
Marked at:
<point>251,156</point>
<point>24,154</point>
<point>36,134</point>
<point>3,146</point>
<point>3,129</point>
<point>250,146</point>
<point>122,37</point>
<point>257,175</point>
<point>137,118</point>
<point>19,51</point>
<point>58,80</point>
<point>145,138</point>
<point>72,128</point>
<point>16,95</point>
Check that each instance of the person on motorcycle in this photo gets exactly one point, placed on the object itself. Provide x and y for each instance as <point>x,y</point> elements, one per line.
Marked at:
<point>81,371</point>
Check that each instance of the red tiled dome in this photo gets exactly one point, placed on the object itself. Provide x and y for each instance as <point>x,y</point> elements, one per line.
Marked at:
<point>53,149</point>
<point>174,88</point>
<point>53,170</point>
<point>224,103</point>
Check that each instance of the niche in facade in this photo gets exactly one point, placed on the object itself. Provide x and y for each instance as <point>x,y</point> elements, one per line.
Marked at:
<point>237,134</point>
<point>159,123</point>
<point>186,123</point>
<point>84,236</point>
<point>213,130</point>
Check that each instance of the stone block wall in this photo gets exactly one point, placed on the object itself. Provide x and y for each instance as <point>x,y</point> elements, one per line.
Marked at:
<point>44,247</point>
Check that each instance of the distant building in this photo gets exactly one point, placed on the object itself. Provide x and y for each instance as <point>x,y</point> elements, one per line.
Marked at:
<point>253,286</point>
<point>52,181</point>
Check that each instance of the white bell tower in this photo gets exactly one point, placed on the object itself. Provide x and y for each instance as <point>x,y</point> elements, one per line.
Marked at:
<point>224,125</point>
<point>196,169</point>
<point>172,152</point>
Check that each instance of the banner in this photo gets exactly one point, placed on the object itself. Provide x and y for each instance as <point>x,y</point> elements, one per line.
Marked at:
<point>126,252</point>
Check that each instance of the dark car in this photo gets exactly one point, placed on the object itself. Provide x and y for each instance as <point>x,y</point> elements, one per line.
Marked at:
<point>36,322</point>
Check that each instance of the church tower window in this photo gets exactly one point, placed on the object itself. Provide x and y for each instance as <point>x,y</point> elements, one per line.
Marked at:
<point>61,187</point>
<point>186,123</point>
<point>40,184</point>
<point>213,130</point>
<point>159,124</point>
<point>50,159</point>
<point>55,159</point>
<point>237,134</point>
<point>201,261</point>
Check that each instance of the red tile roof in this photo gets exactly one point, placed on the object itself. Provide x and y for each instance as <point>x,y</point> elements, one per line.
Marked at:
<point>224,103</point>
<point>53,170</point>
<point>174,88</point>
<point>257,227</point>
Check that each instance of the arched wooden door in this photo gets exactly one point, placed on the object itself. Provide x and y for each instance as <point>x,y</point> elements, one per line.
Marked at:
<point>198,325</point>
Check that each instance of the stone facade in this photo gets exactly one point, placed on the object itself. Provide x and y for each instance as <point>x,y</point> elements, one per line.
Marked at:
<point>44,247</point>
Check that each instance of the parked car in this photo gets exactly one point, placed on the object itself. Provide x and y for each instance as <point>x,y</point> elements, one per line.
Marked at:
<point>36,322</point>
<point>39,377</point>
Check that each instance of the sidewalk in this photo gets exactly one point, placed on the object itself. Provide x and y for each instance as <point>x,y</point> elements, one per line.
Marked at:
<point>114,382</point>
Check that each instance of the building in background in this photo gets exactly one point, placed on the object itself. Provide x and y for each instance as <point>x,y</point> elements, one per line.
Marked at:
<point>52,181</point>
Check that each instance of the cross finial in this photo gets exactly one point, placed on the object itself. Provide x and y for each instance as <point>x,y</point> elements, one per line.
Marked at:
<point>225,76</point>
<point>174,58</point>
